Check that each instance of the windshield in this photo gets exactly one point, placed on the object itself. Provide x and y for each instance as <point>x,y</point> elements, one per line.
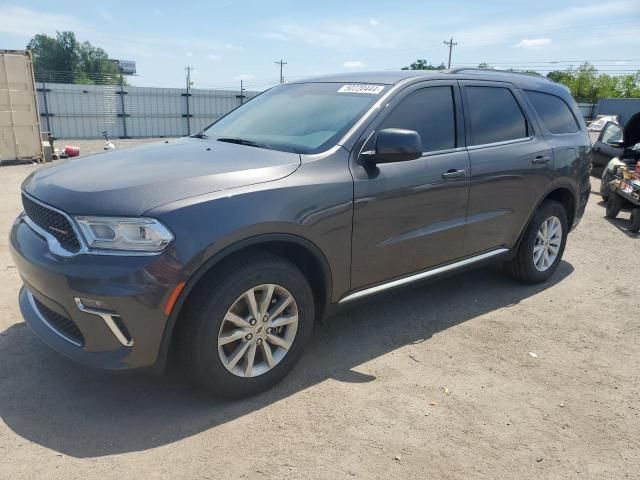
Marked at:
<point>302,118</point>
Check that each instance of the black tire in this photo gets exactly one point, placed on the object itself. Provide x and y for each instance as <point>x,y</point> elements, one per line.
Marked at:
<point>200,323</point>
<point>635,220</point>
<point>604,184</point>
<point>614,205</point>
<point>522,266</point>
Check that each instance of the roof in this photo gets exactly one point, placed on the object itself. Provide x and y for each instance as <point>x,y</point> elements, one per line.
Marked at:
<point>522,80</point>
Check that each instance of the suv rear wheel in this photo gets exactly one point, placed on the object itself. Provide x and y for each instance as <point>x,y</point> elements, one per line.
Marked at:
<point>247,327</point>
<point>542,245</point>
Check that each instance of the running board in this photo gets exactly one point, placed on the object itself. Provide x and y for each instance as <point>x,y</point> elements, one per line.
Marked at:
<point>423,275</point>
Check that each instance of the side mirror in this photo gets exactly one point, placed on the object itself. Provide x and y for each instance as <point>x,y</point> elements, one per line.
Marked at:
<point>395,145</point>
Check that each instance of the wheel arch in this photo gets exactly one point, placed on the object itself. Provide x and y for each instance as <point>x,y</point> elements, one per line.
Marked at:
<point>567,199</point>
<point>298,250</point>
<point>562,193</point>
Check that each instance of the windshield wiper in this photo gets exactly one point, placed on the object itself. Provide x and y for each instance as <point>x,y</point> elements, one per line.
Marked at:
<point>243,141</point>
<point>200,135</point>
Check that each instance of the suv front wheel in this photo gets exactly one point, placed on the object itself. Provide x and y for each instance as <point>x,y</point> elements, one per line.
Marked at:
<point>247,326</point>
<point>542,245</point>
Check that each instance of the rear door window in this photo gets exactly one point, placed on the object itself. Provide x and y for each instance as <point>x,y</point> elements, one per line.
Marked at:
<point>554,112</point>
<point>430,112</point>
<point>494,115</point>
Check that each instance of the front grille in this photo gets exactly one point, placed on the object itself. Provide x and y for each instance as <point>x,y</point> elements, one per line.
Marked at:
<point>63,325</point>
<point>53,222</point>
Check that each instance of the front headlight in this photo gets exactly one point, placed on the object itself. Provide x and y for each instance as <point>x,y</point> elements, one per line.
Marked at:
<point>126,234</point>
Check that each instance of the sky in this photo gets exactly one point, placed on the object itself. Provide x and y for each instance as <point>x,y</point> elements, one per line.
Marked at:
<point>228,41</point>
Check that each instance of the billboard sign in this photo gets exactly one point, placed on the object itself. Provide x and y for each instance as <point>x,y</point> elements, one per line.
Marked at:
<point>127,67</point>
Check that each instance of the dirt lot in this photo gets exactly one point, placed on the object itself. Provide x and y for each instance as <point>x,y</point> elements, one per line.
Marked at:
<point>435,381</point>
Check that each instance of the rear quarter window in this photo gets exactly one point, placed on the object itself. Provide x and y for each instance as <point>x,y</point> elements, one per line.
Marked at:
<point>554,112</point>
<point>494,115</point>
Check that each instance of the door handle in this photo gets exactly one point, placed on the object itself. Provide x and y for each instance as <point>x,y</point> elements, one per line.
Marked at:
<point>453,173</point>
<point>541,159</point>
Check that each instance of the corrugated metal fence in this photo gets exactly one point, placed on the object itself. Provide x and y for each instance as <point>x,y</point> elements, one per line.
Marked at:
<point>85,111</point>
<point>588,110</point>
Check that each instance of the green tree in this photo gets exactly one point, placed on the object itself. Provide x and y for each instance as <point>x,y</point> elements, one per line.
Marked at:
<point>422,64</point>
<point>629,85</point>
<point>559,76</point>
<point>586,84</point>
<point>65,60</point>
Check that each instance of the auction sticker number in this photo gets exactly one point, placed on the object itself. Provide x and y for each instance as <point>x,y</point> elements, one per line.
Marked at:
<point>362,88</point>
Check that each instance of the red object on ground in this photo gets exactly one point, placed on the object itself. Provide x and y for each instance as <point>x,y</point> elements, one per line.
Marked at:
<point>71,151</point>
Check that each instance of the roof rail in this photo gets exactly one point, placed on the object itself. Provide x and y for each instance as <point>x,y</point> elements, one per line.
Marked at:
<point>491,70</point>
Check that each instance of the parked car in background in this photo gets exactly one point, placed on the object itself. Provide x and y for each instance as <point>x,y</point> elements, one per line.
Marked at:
<point>598,124</point>
<point>226,246</point>
<point>608,145</point>
<point>617,146</point>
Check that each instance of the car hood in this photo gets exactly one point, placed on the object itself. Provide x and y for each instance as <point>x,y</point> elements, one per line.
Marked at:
<point>631,134</point>
<point>130,181</point>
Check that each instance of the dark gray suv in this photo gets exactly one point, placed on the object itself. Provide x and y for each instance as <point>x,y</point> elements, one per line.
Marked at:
<point>226,246</point>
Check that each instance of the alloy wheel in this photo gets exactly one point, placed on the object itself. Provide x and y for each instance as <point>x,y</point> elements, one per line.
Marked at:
<point>258,330</point>
<point>547,244</point>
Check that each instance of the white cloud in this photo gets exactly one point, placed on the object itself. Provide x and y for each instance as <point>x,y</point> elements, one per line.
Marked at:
<point>104,14</point>
<point>212,56</point>
<point>533,42</point>
<point>26,23</point>
<point>274,36</point>
<point>189,54</point>
<point>353,64</point>
<point>562,19</point>
<point>346,36</point>
<point>373,22</point>
<point>244,76</point>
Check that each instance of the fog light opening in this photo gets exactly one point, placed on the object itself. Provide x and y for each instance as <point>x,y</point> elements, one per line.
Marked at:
<point>86,304</point>
<point>110,317</point>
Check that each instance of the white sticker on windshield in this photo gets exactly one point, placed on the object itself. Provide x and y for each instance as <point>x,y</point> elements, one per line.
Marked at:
<point>362,88</point>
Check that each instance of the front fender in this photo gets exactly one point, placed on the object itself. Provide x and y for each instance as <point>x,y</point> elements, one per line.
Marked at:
<point>313,208</point>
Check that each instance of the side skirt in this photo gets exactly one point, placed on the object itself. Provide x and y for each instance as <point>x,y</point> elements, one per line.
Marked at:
<point>422,275</point>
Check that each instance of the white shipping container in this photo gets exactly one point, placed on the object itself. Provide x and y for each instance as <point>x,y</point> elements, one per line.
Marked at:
<point>19,119</point>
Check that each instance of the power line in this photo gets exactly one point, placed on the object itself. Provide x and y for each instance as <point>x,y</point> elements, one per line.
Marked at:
<point>520,62</point>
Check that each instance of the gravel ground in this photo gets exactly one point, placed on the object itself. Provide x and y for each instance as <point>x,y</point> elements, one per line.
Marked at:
<point>471,376</point>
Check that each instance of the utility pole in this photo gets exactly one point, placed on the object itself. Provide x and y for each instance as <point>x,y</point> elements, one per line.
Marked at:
<point>124,113</point>
<point>281,63</point>
<point>241,96</point>
<point>450,44</point>
<point>188,94</point>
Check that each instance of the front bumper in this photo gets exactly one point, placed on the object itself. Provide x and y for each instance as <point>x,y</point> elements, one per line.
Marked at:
<point>135,288</point>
